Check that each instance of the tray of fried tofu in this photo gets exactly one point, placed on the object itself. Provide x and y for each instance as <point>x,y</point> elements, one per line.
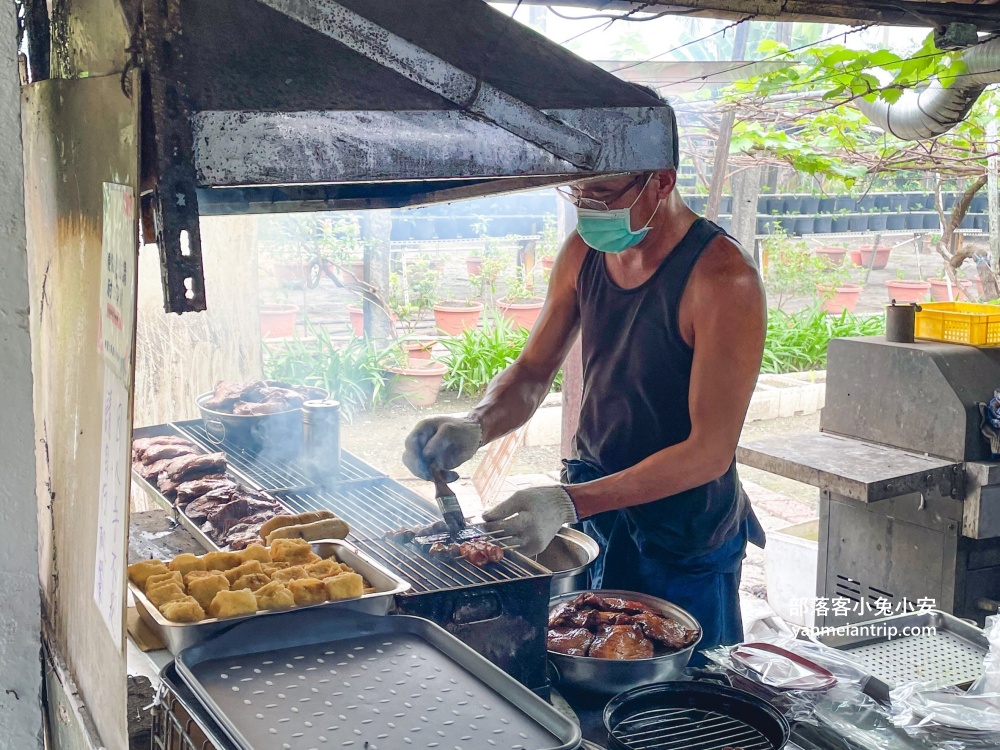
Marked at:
<point>192,597</point>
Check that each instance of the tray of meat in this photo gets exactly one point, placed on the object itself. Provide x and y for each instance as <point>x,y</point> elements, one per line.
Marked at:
<point>196,487</point>
<point>609,641</point>
<point>264,414</point>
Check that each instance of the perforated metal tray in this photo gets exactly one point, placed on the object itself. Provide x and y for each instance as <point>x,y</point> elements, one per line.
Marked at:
<point>304,680</point>
<point>946,651</point>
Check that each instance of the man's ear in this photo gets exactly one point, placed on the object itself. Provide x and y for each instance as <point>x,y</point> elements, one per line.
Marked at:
<point>666,181</point>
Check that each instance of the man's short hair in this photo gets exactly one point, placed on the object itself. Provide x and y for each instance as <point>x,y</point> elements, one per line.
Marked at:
<point>673,119</point>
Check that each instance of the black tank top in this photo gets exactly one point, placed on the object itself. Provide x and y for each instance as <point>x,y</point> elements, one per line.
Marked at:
<point>636,377</point>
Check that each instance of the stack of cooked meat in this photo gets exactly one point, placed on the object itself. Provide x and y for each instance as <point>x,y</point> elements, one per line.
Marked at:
<point>605,627</point>
<point>229,513</point>
<point>259,397</point>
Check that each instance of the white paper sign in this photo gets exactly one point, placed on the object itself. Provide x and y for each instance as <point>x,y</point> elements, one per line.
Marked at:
<point>112,512</point>
<point>118,255</point>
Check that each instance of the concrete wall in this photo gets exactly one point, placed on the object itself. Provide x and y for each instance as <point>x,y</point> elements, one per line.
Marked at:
<point>20,614</point>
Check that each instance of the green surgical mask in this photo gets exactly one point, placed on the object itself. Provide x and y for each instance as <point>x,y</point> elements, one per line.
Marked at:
<point>610,231</point>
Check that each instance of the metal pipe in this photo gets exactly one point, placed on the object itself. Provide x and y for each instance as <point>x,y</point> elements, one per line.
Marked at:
<point>937,109</point>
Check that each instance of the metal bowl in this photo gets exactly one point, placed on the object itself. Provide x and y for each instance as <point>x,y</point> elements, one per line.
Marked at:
<point>568,556</point>
<point>611,676</point>
<point>280,432</point>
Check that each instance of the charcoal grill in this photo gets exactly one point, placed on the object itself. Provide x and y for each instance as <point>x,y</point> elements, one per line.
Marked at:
<point>909,500</point>
<point>688,729</point>
<point>499,610</point>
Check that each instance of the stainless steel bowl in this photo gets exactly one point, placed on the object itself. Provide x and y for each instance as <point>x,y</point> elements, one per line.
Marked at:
<point>280,433</point>
<point>568,556</point>
<point>611,676</point>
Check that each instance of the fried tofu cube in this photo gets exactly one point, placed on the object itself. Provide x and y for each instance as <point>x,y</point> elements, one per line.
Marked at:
<point>274,595</point>
<point>252,581</point>
<point>221,560</point>
<point>186,563</point>
<point>294,573</point>
<point>186,609</point>
<point>312,557</point>
<point>307,591</point>
<point>295,551</point>
<point>232,604</point>
<point>204,588</point>
<point>160,578</point>
<point>245,569</point>
<point>323,569</point>
<point>140,571</point>
<point>256,552</point>
<point>344,586</point>
<point>196,574</point>
<point>273,567</point>
<point>167,592</point>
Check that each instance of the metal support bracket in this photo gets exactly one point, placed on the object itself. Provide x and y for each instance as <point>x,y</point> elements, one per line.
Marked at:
<point>175,200</point>
<point>434,74</point>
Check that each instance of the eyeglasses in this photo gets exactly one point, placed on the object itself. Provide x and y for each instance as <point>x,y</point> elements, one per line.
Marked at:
<point>592,203</point>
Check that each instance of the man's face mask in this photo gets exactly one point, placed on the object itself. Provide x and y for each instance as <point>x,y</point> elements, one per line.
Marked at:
<point>609,230</point>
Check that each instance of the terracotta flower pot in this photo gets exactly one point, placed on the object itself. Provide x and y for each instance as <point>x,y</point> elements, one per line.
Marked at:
<point>836,300</point>
<point>908,290</point>
<point>419,350</point>
<point>418,383</point>
<point>854,256</point>
<point>547,263</point>
<point>521,313</point>
<point>833,255</point>
<point>454,317</point>
<point>278,321</point>
<point>939,291</point>
<point>881,256</point>
<point>353,272</point>
<point>291,273</point>
<point>358,320</point>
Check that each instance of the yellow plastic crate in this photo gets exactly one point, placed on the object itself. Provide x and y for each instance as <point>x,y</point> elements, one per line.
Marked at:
<point>959,323</point>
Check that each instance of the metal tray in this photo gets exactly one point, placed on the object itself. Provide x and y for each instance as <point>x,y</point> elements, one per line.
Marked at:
<point>172,728</point>
<point>951,655</point>
<point>178,636</point>
<point>306,680</point>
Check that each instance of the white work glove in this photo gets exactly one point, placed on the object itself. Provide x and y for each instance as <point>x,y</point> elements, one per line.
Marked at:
<point>441,443</point>
<point>532,517</point>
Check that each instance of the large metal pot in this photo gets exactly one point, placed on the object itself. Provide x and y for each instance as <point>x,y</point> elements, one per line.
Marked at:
<point>279,435</point>
<point>611,676</point>
<point>568,556</point>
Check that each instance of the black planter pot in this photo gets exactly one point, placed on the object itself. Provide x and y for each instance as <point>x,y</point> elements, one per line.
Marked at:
<point>867,203</point>
<point>898,202</point>
<point>858,222</point>
<point>402,230</point>
<point>841,224</point>
<point>881,202</point>
<point>423,229</point>
<point>844,203</point>
<point>914,221</point>
<point>803,226</point>
<point>895,221</point>
<point>877,222</point>
<point>827,205</point>
<point>931,221</point>
<point>917,203</point>
<point>726,204</point>
<point>447,229</point>
<point>949,200</point>
<point>792,206</point>
<point>764,225</point>
<point>823,224</point>
<point>696,203</point>
<point>982,222</point>
<point>980,204</point>
<point>809,205</point>
<point>726,222</point>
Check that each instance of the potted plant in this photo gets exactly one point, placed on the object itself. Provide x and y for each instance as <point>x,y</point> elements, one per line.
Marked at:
<point>833,254</point>
<point>277,320</point>
<point>837,291</point>
<point>548,245</point>
<point>416,382</point>
<point>907,290</point>
<point>790,269</point>
<point>520,305</point>
<point>944,290</point>
<point>454,316</point>
<point>412,294</point>
<point>881,256</point>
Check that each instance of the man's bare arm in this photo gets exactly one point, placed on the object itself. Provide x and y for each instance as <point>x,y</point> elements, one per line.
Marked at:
<point>724,313</point>
<point>517,392</point>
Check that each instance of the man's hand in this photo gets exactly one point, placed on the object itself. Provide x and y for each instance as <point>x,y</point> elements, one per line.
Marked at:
<point>532,517</point>
<point>441,443</point>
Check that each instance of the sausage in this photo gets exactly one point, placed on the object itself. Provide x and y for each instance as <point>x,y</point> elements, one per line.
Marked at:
<point>301,518</point>
<point>327,528</point>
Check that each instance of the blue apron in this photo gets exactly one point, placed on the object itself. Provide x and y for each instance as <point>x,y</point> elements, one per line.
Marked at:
<point>707,586</point>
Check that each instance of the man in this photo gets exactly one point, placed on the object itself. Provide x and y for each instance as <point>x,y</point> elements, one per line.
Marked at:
<point>672,317</point>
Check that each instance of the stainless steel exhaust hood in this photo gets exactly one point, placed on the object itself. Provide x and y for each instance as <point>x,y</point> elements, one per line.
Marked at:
<point>290,105</point>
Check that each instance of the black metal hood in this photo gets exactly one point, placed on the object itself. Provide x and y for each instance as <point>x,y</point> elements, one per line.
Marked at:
<point>288,105</point>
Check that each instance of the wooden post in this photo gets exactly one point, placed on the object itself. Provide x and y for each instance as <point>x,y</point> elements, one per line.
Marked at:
<point>746,190</point>
<point>379,328</point>
<point>993,191</point>
<point>725,134</point>
<point>572,388</point>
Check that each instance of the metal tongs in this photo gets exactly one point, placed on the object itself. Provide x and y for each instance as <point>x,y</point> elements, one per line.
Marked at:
<point>447,503</point>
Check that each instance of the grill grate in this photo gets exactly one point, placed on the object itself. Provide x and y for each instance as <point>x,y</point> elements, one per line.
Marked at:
<point>373,505</point>
<point>940,657</point>
<point>687,729</point>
